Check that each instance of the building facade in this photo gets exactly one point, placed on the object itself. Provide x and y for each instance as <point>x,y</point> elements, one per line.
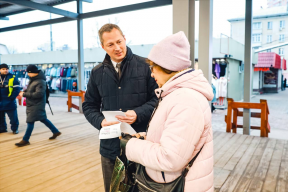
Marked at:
<point>269,29</point>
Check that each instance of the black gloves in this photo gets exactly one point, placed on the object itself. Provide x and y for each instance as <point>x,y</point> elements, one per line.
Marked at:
<point>124,140</point>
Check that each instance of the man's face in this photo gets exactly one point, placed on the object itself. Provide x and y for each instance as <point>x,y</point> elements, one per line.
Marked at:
<point>32,74</point>
<point>4,71</point>
<point>115,45</point>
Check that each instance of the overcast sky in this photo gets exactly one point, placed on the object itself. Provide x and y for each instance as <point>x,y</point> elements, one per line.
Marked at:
<point>147,26</point>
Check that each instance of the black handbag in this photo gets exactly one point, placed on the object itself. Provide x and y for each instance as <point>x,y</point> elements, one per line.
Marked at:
<point>143,183</point>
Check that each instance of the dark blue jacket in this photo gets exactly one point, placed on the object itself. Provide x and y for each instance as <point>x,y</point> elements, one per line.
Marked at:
<point>134,91</point>
<point>9,103</point>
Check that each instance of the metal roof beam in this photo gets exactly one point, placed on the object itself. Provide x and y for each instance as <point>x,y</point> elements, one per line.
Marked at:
<point>87,1</point>
<point>116,10</point>
<point>43,7</point>
<point>4,18</point>
<point>127,8</point>
<point>36,24</point>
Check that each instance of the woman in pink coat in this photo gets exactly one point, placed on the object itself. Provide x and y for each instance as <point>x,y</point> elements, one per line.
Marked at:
<point>181,124</point>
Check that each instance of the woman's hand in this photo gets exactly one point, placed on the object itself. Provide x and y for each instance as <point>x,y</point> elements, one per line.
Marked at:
<point>141,135</point>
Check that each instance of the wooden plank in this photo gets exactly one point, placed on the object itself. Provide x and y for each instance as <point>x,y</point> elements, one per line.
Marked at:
<point>246,105</point>
<point>273,171</point>
<point>44,158</point>
<point>16,183</point>
<point>65,180</point>
<point>219,154</point>
<point>260,174</point>
<point>235,175</point>
<point>253,164</point>
<point>225,157</point>
<point>223,141</point>
<point>251,127</point>
<point>221,178</point>
<point>239,153</point>
<point>221,136</point>
<point>282,182</point>
<point>253,114</point>
<point>215,134</point>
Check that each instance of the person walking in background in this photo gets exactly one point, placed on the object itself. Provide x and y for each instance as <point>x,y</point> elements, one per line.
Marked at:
<point>180,126</point>
<point>9,90</point>
<point>35,102</point>
<point>122,82</point>
<point>285,83</point>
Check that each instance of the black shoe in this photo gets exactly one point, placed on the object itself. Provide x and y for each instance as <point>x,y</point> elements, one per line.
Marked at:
<point>3,131</point>
<point>22,143</point>
<point>15,132</point>
<point>55,135</point>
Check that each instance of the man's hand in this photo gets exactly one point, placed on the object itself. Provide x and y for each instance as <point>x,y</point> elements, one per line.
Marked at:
<point>105,123</point>
<point>21,94</point>
<point>130,117</point>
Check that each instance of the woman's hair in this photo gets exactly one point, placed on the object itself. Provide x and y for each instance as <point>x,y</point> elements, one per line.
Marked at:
<point>163,69</point>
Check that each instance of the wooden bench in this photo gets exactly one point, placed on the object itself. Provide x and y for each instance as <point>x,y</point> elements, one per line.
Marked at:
<point>263,115</point>
<point>81,96</point>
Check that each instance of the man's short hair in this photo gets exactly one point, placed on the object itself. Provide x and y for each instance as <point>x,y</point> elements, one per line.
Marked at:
<point>108,28</point>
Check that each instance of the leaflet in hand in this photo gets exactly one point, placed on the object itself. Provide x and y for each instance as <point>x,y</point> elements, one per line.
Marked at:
<point>124,127</point>
<point>109,132</point>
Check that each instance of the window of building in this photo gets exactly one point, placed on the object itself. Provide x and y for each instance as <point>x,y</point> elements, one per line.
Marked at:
<point>282,38</point>
<point>257,25</point>
<point>270,25</point>
<point>268,50</point>
<point>269,38</point>
<point>281,51</point>
<point>256,38</point>
<point>282,24</point>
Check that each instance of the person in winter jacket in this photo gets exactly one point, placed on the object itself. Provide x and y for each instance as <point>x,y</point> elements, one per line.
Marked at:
<point>9,90</point>
<point>35,104</point>
<point>122,82</point>
<point>181,123</point>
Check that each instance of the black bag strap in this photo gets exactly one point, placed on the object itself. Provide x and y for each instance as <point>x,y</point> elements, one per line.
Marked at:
<point>186,170</point>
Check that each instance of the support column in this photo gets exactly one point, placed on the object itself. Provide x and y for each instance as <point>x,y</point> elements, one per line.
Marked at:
<point>80,52</point>
<point>247,65</point>
<point>184,20</point>
<point>205,44</point>
<point>191,35</point>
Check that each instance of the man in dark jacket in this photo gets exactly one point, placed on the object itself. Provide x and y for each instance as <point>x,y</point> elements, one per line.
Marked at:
<point>122,82</point>
<point>35,104</point>
<point>9,90</point>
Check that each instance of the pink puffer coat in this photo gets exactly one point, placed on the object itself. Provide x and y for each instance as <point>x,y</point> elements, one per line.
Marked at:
<point>180,127</point>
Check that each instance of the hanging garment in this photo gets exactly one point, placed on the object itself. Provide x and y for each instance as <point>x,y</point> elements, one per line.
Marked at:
<point>58,84</point>
<point>58,72</point>
<point>217,70</point>
<point>222,87</point>
<point>73,72</point>
<point>61,71</point>
<point>65,72</point>
<point>69,72</point>
<point>223,69</point>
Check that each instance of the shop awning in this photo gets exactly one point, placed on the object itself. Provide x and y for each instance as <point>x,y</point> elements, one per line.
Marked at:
<point>284,66</point>
<point>269,59</point>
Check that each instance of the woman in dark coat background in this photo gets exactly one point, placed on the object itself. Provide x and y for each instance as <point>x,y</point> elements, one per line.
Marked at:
<point>35,102</point>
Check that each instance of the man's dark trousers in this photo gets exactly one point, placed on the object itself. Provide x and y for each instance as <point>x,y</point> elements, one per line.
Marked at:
<point>107,170</point>
<point>13,116</point>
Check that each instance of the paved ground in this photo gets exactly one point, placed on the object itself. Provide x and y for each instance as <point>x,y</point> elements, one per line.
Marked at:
<point>278,117</point>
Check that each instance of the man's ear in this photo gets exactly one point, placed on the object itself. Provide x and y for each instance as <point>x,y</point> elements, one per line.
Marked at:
<point>102,46</point>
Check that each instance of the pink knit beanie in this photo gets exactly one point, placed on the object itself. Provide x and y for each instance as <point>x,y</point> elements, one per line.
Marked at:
<point>172,53</point>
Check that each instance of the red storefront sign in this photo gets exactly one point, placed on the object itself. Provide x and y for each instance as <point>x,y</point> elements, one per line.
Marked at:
<point>261,69</point>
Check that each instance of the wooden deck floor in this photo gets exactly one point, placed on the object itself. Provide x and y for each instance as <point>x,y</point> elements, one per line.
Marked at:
<point>72,161</point>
